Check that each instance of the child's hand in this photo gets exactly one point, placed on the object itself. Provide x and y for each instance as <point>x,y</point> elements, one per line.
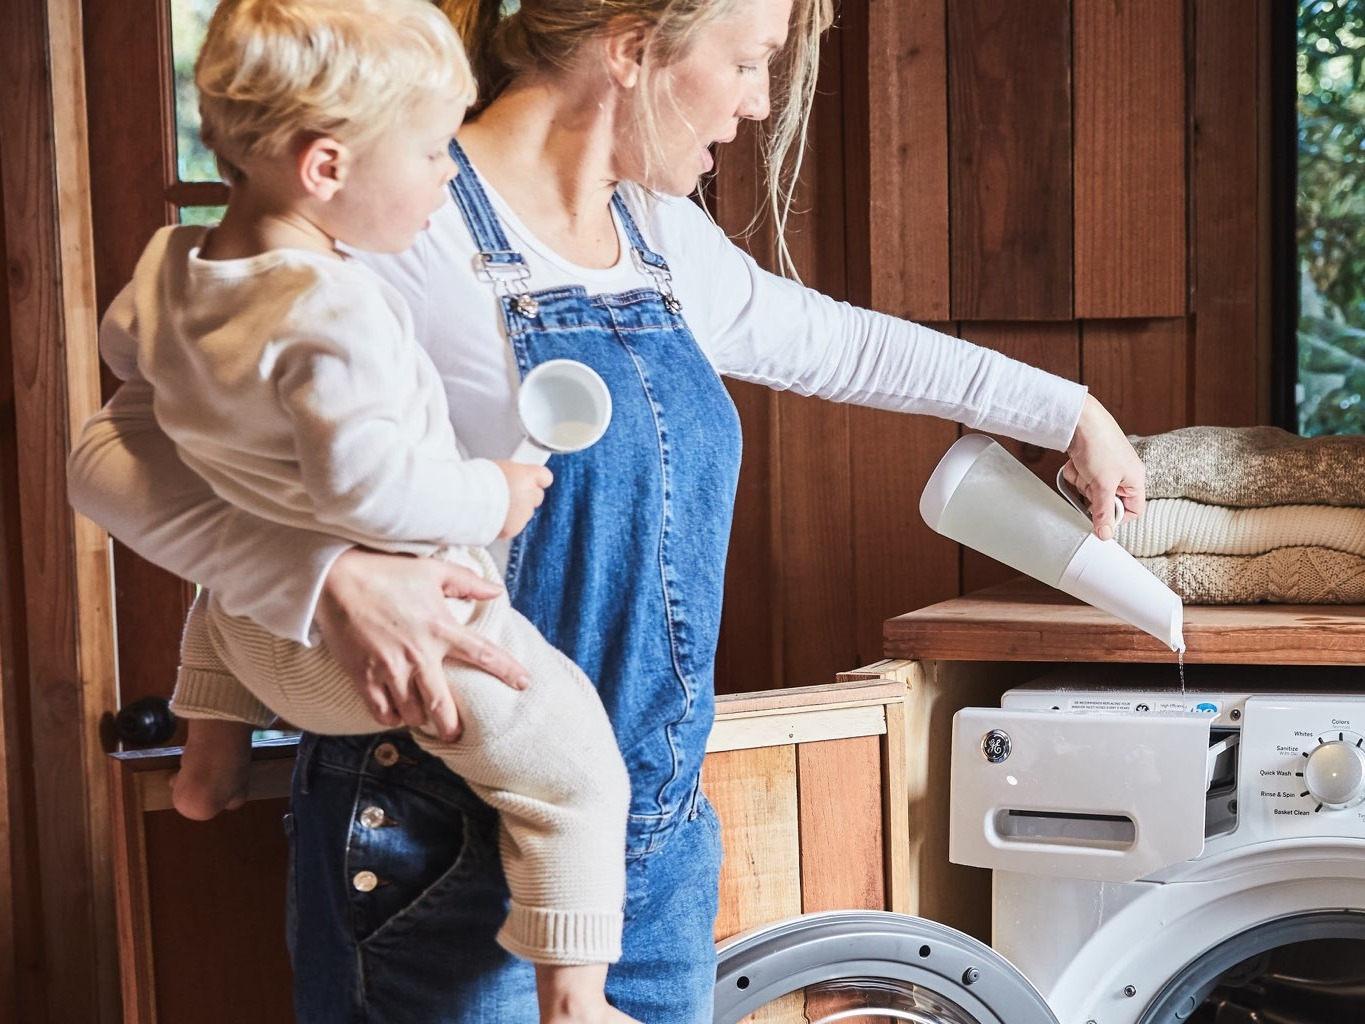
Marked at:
<point>526,489</point>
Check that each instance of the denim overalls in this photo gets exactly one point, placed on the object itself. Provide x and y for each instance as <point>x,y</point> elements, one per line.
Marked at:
<point>396,891</point>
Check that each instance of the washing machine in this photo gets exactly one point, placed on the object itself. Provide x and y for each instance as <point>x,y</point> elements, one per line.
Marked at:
<point>1157,856</point>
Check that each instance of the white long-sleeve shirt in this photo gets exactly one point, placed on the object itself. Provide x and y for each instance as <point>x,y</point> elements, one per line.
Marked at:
<point>752,325</point>
<point>292,384</point>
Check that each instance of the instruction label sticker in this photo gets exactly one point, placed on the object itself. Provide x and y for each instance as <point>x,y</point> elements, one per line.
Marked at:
<point>1161,704</point>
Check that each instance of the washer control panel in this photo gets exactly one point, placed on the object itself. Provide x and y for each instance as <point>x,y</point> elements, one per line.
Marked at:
<point>1303,766</point>
<point>1299,758</point>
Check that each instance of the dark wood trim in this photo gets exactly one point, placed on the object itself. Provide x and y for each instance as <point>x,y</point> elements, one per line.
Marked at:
<point>750,642</point>
<point>137,982</point>
<point>196,193</point>
<point>1129,168</point>
<point>903,140</point>
<point>1282,157</point>
<point>16,910</point>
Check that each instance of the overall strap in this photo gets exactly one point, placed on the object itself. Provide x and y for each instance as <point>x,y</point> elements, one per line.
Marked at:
<point>646,260</point>
<point>496,261</point>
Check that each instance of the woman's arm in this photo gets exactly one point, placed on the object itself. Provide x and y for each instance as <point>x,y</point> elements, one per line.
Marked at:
<point>124,474</point>
<point>762,328</point>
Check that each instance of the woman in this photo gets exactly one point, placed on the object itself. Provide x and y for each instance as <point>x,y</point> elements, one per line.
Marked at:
<point>567,237</point>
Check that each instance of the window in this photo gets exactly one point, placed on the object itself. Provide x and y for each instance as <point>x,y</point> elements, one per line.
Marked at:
<point>198,192</point>
<point>1329,392</point>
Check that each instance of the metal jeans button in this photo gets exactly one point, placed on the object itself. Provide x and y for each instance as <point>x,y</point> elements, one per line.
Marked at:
<point>373,817</point>
<point>386,754</point>
<point>365,881</point>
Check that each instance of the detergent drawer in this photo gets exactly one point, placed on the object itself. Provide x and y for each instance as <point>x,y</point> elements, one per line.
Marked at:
<point>1104,796</point>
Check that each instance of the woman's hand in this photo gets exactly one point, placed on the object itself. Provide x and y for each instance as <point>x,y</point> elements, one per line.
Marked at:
<point>1103,464</point>
<point>384,618</point>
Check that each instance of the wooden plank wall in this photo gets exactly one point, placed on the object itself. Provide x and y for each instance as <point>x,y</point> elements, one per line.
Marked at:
<point>1081,184</point>
<point>1084,187</point>
<point>58,659</point>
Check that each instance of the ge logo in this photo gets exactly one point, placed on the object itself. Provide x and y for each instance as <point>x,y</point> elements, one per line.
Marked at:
<point>996,746</point>
<point>1142,707</point>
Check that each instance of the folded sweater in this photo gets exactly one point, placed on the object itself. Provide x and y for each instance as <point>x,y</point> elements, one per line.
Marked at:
<point>1253,467</point>
<point>1292,575</point>
<point>1180,526</point>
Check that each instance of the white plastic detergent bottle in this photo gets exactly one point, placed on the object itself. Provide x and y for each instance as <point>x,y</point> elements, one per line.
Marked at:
<point>981,496</point>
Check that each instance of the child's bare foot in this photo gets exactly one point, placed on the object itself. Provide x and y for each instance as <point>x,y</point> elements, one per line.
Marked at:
<point>213,769</point>
<point>575,995</point>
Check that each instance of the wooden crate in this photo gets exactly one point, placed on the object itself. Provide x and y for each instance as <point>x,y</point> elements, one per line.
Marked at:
<point>809,785</point>
<point>812,819</point>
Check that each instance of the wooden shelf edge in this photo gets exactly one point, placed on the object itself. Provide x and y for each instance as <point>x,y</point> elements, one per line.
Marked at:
<point>1025,621</point>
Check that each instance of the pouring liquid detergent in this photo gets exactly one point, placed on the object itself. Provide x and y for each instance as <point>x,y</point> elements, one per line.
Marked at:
<point>981,496</point>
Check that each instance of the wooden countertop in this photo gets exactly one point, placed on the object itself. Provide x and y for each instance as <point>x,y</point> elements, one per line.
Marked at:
<point>1026,621</point>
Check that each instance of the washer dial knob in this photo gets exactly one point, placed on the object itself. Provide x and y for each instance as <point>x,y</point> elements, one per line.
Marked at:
<point>1335,774</point>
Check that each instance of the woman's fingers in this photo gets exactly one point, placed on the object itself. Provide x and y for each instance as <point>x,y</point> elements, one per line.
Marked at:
<point>386,679</point>
<point>459,582</point>
<point>1094,499</point>
<point>409,697</point>
<point>376,698</point>
<point>386,620</point>
<point>443,718</point>
<point>464,645</point>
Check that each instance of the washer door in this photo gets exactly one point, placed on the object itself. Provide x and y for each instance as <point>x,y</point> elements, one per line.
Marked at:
<point>875,966</point>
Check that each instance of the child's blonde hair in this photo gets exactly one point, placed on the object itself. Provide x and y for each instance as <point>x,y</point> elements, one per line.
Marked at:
<point>271,71</point>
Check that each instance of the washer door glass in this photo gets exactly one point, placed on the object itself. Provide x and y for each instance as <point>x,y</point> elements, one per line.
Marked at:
<point>1302,969</point>
<point>870,967</point>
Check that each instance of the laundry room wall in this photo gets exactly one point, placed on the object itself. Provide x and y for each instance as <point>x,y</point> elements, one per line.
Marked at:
<point>1082,184</point>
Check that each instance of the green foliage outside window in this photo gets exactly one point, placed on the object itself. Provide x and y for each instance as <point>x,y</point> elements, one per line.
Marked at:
<point>189,20</point>
<point>1331,217</point>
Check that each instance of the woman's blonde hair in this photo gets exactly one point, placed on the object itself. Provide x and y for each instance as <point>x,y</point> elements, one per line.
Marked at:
<point>273,70</point>
<point>506,39</point>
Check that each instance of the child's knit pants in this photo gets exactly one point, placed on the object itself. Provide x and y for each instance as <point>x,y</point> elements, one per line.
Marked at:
<point>545,757</point>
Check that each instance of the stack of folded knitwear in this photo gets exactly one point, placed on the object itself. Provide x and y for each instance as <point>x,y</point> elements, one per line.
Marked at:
<point>1250,514</point>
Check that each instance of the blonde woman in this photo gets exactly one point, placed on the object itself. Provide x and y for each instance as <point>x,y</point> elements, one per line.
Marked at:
<point>569,234</point>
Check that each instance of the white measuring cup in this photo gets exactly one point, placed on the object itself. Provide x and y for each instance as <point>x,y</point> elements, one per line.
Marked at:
<point>564,406</point>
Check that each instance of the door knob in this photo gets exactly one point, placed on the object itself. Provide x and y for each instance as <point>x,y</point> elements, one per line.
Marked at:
<point>146,722</point>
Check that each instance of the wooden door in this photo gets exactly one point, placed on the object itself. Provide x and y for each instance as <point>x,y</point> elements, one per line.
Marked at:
<point>200,906</point>
<point>149,171</point>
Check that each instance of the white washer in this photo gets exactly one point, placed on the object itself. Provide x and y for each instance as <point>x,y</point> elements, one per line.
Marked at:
<point>1159,859</point>
<point>1250,921</point>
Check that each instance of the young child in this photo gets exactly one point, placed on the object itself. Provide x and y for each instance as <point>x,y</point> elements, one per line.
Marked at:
<point>290,379</point>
